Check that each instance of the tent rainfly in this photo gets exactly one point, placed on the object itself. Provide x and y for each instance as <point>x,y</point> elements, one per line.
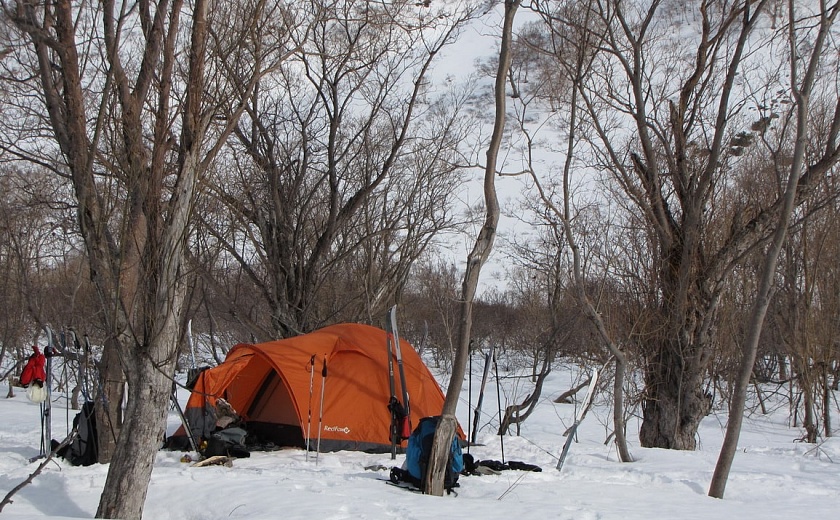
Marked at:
<point>277,391</point>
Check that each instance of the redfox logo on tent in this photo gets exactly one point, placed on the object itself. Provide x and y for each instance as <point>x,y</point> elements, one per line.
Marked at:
<point>343,429</point>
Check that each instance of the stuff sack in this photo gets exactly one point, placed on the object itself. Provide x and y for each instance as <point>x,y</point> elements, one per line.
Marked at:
<point>36,393</point>
<point>417,457</point>
<point>230,442</point>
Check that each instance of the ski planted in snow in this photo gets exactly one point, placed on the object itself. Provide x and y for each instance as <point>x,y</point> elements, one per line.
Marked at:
<point>400,411</point>
<point>46,406</point>
<point>587,403</point>
<point>406,404</point>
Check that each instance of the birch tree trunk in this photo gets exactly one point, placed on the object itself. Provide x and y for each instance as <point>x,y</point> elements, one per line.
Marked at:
<point>439,457</point>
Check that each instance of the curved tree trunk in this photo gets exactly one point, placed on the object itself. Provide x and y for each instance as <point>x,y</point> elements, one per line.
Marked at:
<point>439,456</point>
<point>519,412</point>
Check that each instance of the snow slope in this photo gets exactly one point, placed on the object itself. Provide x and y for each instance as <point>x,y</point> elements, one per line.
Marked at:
<point>773,476</point>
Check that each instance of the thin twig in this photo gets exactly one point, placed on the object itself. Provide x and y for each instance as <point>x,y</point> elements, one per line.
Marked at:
<point>8,498</point>
<point>515,483</point>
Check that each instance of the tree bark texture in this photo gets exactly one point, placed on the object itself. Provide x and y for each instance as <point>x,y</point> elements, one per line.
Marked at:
<point>674,402</point>
<point>143,430</point>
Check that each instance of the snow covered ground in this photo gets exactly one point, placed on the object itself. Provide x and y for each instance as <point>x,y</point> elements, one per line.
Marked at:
<point>774,476</point>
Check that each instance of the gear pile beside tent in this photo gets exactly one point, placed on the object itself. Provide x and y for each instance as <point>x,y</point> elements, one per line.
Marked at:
<point>271,388</point>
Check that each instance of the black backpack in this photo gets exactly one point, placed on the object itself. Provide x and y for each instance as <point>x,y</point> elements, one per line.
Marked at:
<point>84,450</point>
<point>229,442</point>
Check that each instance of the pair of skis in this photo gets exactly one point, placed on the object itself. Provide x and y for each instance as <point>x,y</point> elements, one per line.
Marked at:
<point>400,411</point>
<point>50,351</point>
<point>46,406</point>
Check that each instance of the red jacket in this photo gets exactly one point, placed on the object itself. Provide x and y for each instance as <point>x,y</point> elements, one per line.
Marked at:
<point>34,371</point>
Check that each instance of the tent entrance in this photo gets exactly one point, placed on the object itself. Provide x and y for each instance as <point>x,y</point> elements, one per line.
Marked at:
<point>272,418</point>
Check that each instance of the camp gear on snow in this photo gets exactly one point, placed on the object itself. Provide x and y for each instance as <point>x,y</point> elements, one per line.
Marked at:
<point>268,384</point>
<point>494,467</point>
<point>417,457</point>
<point>84,449</point>
<point>226,416</point>
<point>400,411</point>
<point>229,442</point>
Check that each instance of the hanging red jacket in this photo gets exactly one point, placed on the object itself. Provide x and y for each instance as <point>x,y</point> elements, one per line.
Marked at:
<point>34,371</point>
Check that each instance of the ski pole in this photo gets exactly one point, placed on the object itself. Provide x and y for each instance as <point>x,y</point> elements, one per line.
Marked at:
<point>321,413</point>
<point>469,404</point>
<point>309,417</point>
<point>499,399</point>
<point>478,404</point>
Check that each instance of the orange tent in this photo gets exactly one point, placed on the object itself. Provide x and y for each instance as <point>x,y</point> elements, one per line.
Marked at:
<point>268,384</point>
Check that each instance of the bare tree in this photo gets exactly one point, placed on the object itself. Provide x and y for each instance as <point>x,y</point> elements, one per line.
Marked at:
<point>432,295</point>
<point>43,282</point>
<point>439,457</point>
<point>570,41</point>
<point>133,132</point>
<point>805,72</point>
<point>24,241</point>
<point>547,324</point>
<point>344,168</point>
<point>666,175</point>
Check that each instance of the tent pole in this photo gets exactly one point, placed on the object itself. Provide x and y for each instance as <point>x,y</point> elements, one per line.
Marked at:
<point>321,412</point>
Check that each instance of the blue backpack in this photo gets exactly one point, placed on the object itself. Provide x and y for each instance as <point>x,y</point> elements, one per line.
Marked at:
<point>417,457</point>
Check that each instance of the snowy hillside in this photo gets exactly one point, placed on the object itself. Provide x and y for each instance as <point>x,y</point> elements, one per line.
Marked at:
<point>773,476</point>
